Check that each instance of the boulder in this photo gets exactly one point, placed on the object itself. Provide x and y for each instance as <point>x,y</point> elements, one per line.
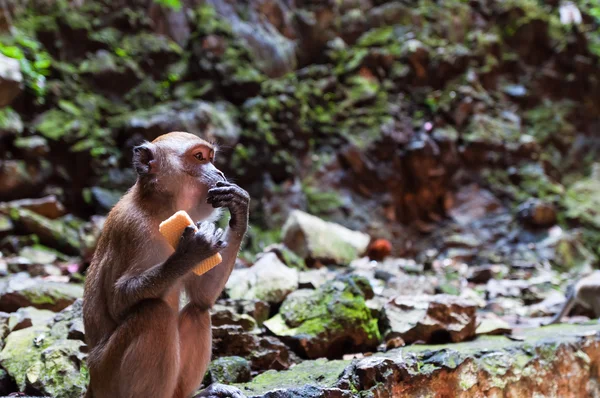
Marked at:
<point>560,360</point>
<point>436,319</point>
<point>263,352</point>
<point>39,362</point>
<point>328,321</point>
<point>56,234</point>
<point>211,121</point>
<point>318,240</point>
<point>48,206</point>
<point>20,290</point>
<point>21,179</point>
<point>268,280</point>
<point>227,370</point>
<point>11,80</point>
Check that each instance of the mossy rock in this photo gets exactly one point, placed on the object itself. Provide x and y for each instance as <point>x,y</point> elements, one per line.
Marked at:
<point>227,370</point>
<point>38,361</point>
<point>55,234</point>
<point>20,290</point>
<point>328,321</point>
<point>302,380</point>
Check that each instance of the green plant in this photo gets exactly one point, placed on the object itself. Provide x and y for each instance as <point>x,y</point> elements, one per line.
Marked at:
<point>34,61</point>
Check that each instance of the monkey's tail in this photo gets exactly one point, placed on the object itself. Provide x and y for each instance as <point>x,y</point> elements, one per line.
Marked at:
<point>565,309</point>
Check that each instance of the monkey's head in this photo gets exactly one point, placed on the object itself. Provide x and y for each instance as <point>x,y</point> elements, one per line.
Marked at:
<point>179,168</point>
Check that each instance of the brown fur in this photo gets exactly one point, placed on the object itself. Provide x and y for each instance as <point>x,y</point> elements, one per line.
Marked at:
<point>141,344</point>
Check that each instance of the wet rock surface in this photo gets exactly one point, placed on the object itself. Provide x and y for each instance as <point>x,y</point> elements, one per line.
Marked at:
<point>422,173</point>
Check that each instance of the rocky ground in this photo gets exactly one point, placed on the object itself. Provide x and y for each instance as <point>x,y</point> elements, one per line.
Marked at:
<point>422,174</point>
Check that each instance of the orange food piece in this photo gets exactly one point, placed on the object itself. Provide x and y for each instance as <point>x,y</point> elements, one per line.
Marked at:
<point>173,227</point>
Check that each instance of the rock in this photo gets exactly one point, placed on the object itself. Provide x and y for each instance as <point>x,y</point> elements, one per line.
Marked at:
<point>483,273</point>
<point>10,122</point>
<point>28,316</point>
<point>105,198</point>
<point>211,121</point>
<point>318,240</point>
<point>472,203</point>
<point>489,323</point>
<point>11,80</point>
<point>69,322</point>
<point>263,352</point>
<point>227,370</point>
<point>307,379</point>
<point>314,278</point>
<point>20,290</point>
<point>7,384</point>
<point>436,319</point>
<point>328,321</point>
<point>268,280</point>
<point>6,225</point>
<point>536,213</point>
<point>38,255</point>
<point>257,309</point>
<point>559,360</point>
<point>259,28</point>
<point>221,315</point>
<point>21,179</point>
<point>32,147</point>
<point>48,206</point>
<point>39,362</point>
<point>53,233</point>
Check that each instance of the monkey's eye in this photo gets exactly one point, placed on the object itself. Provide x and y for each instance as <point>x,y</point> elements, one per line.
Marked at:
<point>199,156</point>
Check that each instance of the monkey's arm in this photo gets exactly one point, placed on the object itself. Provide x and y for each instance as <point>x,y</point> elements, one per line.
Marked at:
<point>155,282</point>
<point>204,290</point>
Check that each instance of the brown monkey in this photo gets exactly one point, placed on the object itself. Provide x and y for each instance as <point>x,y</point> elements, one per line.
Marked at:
<point>585,292</point>
<point>140,343</point>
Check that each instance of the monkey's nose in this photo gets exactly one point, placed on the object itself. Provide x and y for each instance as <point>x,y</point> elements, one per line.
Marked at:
<point>220,173</point>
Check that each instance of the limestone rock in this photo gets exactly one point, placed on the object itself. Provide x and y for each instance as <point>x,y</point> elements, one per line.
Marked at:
<point>20,290</point>
<point>56,234</point>
<point>21,179</point>
<point>227,370</point>
<point>268,280</point>
<point>328,321</point>
<point>312,238</point>
<point>10,80</point>
<point>263,352</point>
<point>439,318</point>
<point>48,206</point>
<point>39,362</point>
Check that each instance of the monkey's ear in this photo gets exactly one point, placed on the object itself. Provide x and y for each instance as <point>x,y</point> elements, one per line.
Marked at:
<point>143,159</point>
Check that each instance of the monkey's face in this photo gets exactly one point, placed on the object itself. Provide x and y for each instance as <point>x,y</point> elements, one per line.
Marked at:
<point>180,165</point>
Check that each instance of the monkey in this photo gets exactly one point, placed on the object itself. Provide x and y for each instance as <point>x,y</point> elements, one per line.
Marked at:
<point>140,342</point>
<point>586,292</point>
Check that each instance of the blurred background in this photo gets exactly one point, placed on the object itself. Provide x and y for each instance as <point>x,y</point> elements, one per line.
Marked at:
<point>456,139</point>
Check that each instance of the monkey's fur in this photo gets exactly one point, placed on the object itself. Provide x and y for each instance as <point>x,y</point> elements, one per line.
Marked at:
<point>585,292</point>
<point>141,344</point>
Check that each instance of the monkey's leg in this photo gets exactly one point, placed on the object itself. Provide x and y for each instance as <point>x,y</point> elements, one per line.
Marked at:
<point>195,348</point>
<point>141,358</point>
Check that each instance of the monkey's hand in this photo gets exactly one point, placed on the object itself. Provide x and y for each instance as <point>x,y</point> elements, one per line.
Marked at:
<point>198,245</point>
<point>229,195</point>
<point>217,390</point>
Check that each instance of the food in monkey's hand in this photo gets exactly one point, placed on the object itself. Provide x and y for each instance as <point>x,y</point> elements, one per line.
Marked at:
<point>173,227</point>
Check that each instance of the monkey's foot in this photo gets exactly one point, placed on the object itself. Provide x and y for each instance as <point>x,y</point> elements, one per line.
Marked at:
<point>217,390</point>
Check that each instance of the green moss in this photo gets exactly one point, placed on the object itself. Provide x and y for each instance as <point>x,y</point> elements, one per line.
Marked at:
<point>337,307</point>
<point>10,121</point>
<point>320,373</point>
